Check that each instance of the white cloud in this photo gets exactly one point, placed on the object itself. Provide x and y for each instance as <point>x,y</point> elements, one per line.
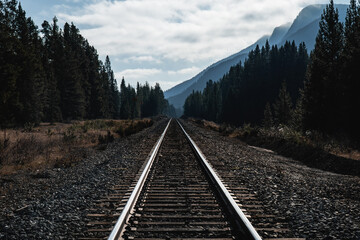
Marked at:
<point>141,59</point>
<point>166,84</point>
<point>187,30</point>
<point>138,73</point>
<point>148,32</point>
<point>185,71</point>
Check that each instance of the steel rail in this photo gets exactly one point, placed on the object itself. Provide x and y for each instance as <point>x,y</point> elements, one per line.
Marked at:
<point>125,214</point>
<point>243,225</point>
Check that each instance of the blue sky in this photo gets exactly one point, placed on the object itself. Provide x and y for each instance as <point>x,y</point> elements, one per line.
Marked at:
<point>168,41</point>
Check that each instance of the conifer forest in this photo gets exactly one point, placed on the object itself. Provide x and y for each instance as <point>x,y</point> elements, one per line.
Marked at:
<point>284,85</point>
<point>53,74</point>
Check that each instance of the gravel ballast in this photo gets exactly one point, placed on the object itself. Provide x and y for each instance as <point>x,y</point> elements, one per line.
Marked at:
<point>54,204</point>
<point>317,204</point>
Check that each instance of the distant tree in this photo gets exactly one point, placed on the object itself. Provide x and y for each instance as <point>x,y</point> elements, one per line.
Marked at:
<point>139,100</point>
<point>283,107</point>
<point>193,106</point>
<point>268,116</point>
<point>146,109</point>
<point>298,113</point>
<point>212,101</point>
<point>125,111</point>
<point>72,94</point>
<point>51,99</point>
<point>114,101</point>
<point>241,95</point>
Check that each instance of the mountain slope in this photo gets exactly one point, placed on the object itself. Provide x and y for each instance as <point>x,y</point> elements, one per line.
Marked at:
<point>303,29</point>
<point>214,72</point>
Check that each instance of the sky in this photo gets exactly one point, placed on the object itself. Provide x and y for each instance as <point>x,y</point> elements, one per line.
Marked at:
<point>168,42</point>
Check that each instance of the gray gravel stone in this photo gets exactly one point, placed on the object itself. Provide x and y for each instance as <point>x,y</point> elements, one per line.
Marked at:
<point>53,204</point>
<point>317,204</point>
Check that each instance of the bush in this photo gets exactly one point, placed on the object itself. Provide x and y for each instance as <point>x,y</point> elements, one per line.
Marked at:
<point>69,136</point>
<point>226,129</point>
<point>134,127</point>
<point>108,138</point>
<point>29,127</point>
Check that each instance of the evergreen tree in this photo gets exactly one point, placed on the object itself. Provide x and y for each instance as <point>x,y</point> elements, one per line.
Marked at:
<point>351,59</point>
<point>146,109</point>
<point>9,70</point>
<point>194,105</point>
<point>97,103</point>
<point>72,94</point>
<point>298,113</point>
<point>58,75</point>
<point>125,111</point>
<point>323,87</point>
<point>114,101</point>
<point>30,79</point>
<point>268,117</point>
<point>211,101</point>
<point>283,107</point>
<point>53,59</point>
<point>139,100</point>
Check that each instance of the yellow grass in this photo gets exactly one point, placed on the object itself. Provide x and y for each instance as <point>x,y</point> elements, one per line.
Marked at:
<point>59,144</point>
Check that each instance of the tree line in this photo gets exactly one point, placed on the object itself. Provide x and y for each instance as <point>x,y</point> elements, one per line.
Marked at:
<point>331,94</point>
<point>286,86</point>
<point>241,95</point>
<point>145,101</point>
<point>54,74</point>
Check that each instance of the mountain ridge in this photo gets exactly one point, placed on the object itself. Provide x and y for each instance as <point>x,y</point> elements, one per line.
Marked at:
<point>303,29</point>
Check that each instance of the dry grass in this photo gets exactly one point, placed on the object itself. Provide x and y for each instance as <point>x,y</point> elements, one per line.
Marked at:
<point>60,144</point>
<point>337,148</point>
<point>207,124</point>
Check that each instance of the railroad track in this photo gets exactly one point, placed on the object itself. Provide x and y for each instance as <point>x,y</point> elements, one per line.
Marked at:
<point>176,195</point>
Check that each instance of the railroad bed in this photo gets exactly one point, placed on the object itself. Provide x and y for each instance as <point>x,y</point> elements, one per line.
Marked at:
<point>177,199</point>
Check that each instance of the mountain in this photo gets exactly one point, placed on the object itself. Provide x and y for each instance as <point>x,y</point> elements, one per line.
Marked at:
<point>303,29</point>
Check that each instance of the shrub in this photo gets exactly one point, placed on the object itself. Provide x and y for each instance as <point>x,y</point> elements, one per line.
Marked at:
<point>108,138</point>
<point>29,127</point>
<point>134,127</point>
<point>69,136</point>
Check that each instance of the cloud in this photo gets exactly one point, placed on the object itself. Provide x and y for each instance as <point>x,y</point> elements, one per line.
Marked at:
<point>141,59</point>
<point>182,33</point>
<point>138,73</point>
<point>166,84</point>
<point>181,30</point>
<point>185,71</point>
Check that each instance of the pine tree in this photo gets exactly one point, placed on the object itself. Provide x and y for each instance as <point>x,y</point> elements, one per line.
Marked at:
<point>72,95</point>
<point>268,116</point>
<point>283,107</point>
<point>51,60</point>
<point>323,86</point>
<point>31,77</point>
<point>351,59</point>
<point>297,113</point>
<point>139,100</point>
<point>9,70</point>
<point>125,109</point>
<point>146,110</point>
<point>114,105</point>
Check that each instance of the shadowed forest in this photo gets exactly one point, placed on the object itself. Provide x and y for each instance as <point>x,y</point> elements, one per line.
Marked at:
<point>53,75</point>
<point>283,86</point>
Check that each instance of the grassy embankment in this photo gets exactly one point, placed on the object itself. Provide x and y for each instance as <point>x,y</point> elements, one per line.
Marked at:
<point>60,145</point>
<point>313,149</point>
